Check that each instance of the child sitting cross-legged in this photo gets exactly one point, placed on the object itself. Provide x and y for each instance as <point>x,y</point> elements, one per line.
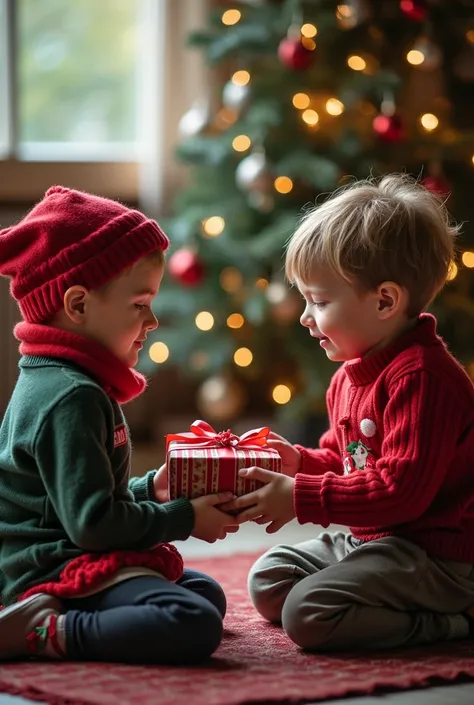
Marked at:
<point>397,462</point>
<point>86,572</point>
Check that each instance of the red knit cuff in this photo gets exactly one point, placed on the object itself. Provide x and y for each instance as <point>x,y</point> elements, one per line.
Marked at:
<point>314,461</point>
<point>307,500</point>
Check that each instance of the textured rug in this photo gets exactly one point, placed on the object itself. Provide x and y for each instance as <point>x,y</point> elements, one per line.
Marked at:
<point>256,663</point>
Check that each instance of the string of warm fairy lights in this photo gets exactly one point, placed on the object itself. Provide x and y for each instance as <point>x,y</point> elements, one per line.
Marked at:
<point>231,279</point>
<point>422,54</point>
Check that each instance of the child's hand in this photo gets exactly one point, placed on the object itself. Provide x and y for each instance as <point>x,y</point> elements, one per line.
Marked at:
<point>160,485</point>
<point>210,523</point>
<point>272,503</point>
<point>290,456</point>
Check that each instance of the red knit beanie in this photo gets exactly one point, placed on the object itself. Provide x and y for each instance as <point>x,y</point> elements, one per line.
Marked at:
<point>69,238</point>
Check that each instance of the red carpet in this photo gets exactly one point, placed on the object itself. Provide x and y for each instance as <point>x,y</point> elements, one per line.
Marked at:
<point>256,663</point>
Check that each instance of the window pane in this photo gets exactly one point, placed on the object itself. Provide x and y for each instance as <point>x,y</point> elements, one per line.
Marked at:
<point>78,77</point>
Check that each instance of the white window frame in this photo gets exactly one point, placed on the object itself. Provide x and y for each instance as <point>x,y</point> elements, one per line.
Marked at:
<point>25,175</point>
<point>153,180</point>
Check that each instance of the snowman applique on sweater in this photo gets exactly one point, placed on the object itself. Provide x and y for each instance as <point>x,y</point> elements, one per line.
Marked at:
<point>358,455</point>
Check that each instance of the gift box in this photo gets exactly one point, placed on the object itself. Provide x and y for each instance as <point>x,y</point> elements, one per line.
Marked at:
<point>204,462</point>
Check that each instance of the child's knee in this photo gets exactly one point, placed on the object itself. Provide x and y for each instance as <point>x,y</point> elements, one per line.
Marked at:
<point>201,634</point>
<point>204,586</point>
<point>210,632</point>
<point>213,592</point>
<point>308,625</point>
<point>269,581</point>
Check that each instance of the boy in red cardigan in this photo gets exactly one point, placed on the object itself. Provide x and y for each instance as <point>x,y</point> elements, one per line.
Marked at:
<point>86,572</point>
<point>397,463</point>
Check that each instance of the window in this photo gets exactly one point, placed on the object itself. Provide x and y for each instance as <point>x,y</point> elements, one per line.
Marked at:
<point>75,76</point>
<point>91,92</point>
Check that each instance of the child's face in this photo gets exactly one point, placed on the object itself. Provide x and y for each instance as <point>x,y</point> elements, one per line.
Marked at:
<point>345,321</point>
<point>120,317</point>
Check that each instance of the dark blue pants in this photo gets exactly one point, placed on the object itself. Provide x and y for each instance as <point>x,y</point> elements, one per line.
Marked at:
<point>147,620</point>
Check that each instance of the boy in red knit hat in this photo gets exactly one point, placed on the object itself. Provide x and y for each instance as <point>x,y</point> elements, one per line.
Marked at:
<point>85,570</point>
<point>396,464</point>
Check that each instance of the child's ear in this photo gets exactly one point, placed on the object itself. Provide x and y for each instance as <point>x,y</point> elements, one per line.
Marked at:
<point>392,298</point>
<point>74,301</point>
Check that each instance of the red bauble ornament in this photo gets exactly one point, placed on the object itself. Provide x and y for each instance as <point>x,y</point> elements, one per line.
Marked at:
<point>416,10</point>
<point>294,55</point>
<point>186,267</point>
<point>437,184</point>
<point>388,128</point>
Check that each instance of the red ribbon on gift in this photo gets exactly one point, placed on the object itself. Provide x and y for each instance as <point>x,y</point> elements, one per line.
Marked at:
<point>203,435</point>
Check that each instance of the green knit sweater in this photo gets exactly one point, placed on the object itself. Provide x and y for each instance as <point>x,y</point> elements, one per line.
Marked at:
<point>64,479</point>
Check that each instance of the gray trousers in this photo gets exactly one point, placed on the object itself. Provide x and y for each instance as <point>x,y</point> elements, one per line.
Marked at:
<point>336,593</point>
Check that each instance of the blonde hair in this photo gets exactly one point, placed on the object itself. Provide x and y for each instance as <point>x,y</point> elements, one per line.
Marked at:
<point>371,231</point>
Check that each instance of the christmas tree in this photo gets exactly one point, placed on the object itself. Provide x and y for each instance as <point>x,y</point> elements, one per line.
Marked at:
<point>307,94</point>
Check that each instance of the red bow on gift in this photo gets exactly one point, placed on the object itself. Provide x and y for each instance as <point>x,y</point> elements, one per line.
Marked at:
<point>203,435</point>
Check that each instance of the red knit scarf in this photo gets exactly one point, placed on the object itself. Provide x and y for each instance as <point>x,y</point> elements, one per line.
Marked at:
<point>122,384</point>
<point>119,381</point>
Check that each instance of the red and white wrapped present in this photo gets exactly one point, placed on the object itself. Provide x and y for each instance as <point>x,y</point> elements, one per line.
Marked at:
<point>204,461</point>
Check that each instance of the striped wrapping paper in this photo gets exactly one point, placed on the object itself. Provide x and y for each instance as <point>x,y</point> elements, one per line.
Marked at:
<point>194,470</point>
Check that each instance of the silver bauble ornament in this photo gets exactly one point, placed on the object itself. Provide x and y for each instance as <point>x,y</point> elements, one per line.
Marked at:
<point>235,97</point>
<point>221,398</point>
<point>196,120</point>
<point>254,173</point>
<point>277,292</point>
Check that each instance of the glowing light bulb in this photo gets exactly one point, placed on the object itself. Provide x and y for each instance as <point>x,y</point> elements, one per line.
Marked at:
<point>452,272</point>
<point>310,117</point>
<point>213,226</point>
<point>281,394</point>
<point>429,121</point>
<point>334,106</point>
<point>204,320</point>
<point>356,62</point>
<point>301,100</point>
<point>241,78</point>
<point>235,320</point>
<point>243,357</point>
<point>231,17</point>
<point>283,184</point>
<point>468,259</point>
<point>415,57</point>
<point>308,43</point>
<point>241,143</point>
<point>159,352</point>
<point>309,30</point>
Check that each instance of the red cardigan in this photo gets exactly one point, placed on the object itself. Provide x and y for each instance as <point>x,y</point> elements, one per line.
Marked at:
<point>398,458</point>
